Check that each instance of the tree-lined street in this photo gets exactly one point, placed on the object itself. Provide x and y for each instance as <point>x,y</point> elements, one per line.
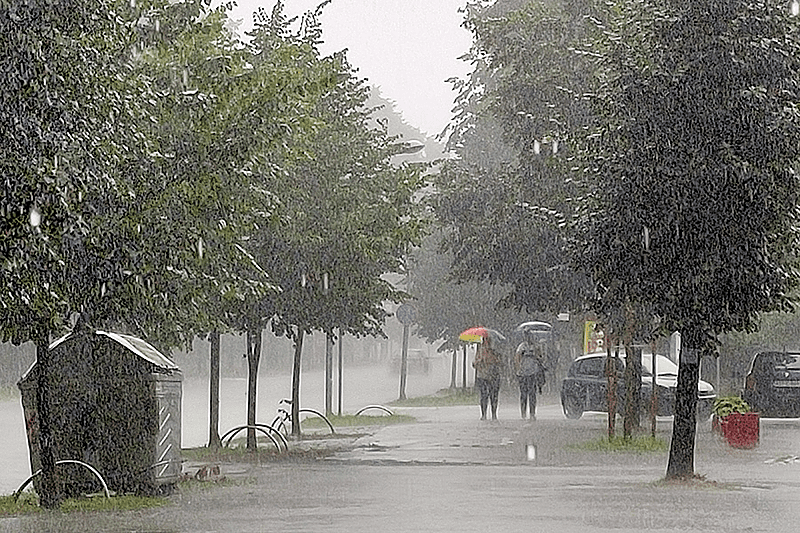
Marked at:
<point>451,471</point>
<point>630,165</point>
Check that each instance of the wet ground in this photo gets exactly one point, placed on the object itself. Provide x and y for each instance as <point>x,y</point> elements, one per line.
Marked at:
<point>453,472</point>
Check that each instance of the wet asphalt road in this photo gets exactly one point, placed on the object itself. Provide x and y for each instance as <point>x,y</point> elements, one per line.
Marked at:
<point>452,472</point>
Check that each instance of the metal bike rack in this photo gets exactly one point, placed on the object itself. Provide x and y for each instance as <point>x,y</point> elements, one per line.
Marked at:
<point>263,428</point>
<point>323,417</point>
<point>284,415</point>
<point>66,461</point>
<point>379,407</point>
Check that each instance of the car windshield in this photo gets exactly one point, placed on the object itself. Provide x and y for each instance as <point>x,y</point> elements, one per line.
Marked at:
<point>664,366</point>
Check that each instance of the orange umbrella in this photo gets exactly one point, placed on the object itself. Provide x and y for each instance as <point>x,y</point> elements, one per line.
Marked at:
<point>478,333</point>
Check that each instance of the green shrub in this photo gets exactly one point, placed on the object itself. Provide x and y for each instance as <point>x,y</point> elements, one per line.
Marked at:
<point>729,404</point>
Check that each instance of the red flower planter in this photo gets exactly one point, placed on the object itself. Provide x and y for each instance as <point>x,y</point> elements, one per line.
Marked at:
<point>741,430</point>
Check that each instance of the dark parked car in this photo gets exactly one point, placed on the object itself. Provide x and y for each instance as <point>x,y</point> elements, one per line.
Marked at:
<point>586,386</point>
<point>773,385</point>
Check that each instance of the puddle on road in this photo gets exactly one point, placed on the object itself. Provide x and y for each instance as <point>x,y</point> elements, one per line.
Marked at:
<point>755,487</point>
<point>530,452</point>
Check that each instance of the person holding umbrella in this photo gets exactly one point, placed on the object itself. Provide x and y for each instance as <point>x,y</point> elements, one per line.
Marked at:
<point>488,372</point>
<point>530,370</point>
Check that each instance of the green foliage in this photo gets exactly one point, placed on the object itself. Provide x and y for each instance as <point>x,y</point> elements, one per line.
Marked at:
<point>729,404</point>
<point>694,123</point>
<point>161,178</point>
<point>28,503</point>
<point>445,307</point>
<point>504,200</point>
<point>69,115</point>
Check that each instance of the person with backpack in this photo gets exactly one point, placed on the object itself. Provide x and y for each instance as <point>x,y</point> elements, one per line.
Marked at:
<point>530,370</point>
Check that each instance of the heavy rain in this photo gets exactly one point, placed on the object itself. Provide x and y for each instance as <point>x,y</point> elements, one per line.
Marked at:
<point>399,265</point>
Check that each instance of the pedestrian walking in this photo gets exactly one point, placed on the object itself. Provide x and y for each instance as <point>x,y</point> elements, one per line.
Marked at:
<point>530,370</point>
<point>488,372</point>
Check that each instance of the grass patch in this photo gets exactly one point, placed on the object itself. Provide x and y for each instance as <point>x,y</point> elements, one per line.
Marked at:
<point>28,503</point>
<point>695,481</point>
<point>115,503</point>
<point>266,453</point>
<point>315,422</point>
<point>236,454</point>
<point>443,398</point>
<point>637,444</point>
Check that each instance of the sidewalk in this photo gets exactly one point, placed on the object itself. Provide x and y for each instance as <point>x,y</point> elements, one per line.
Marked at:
<point>455,435</point>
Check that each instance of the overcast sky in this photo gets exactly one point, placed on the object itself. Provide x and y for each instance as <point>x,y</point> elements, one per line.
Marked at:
<point>408,48</point>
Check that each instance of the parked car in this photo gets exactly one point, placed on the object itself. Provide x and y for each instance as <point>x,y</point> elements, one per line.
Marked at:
<point>586,386</point>
<point>772,387</point>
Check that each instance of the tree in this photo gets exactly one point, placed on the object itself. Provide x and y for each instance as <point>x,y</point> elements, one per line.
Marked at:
<point>349,218</point>
<point>69,112</point>
<point>128,202</point>
<point>260,110</point>
<point>505,197</point>
<point>693,174</point>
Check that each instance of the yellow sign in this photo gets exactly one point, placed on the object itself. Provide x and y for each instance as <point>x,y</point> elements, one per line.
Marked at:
<point>593,338</point>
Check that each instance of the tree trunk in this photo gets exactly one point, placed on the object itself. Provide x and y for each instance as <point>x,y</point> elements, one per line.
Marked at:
<point>454,369</point>
<point>213,393</point>
<point>253,359</point>
<point>50,497</point>
<point>611,375</point>
<point>633,389</point>
<point>298,352</point>
<point>681,450</point>
<point>404,363</point>
<point>340,369</point>
<point>464,370</point>
<point>654,390</point>
<point>328,374</point>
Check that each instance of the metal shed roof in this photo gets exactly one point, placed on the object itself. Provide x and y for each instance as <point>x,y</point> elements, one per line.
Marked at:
<point>143,349</point>
<point>136,345</point>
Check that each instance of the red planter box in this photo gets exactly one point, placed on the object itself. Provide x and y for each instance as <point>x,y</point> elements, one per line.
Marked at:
<point>741,430</point>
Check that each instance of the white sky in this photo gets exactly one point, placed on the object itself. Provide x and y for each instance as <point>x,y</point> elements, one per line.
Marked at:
<point>407,48</point>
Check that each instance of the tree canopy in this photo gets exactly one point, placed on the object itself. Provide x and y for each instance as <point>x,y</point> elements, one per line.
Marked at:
<point>505,196</point>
